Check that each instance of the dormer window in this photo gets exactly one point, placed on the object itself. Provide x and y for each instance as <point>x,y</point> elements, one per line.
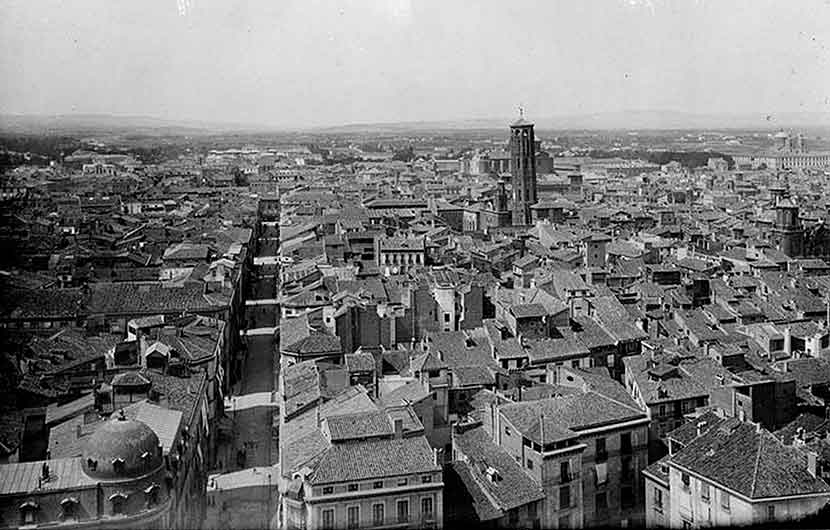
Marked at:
<point>69,508</point>
<point>91,464</point>
<point>118,465</point>
<point>119,503</point>
<point>28,512</point>
<point>152,495</point>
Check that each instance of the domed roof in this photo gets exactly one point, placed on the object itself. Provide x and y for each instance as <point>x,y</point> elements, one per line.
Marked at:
<point>122,448</point>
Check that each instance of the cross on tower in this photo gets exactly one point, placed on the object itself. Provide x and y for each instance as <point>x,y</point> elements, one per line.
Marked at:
<point>521,111</point>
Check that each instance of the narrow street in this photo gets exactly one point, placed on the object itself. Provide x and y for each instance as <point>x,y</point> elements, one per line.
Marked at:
<point>250,408</point>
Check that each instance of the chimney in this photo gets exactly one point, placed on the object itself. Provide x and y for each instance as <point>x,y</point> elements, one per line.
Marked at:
<point>398,428</point>
<point>812,458</point>
<point>435,456</point>
<point>700,426</point>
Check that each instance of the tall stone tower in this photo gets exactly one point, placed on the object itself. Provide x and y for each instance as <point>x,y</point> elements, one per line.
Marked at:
<point>788,229</point>
<point>523,167</point>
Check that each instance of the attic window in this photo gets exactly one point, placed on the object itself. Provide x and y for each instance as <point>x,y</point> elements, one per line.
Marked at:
<point>119,501</point>
<point>69,508</point>
<point>28,511</point>
<point>493,475</point>
<point>118,465</point>
<point>152,494</point>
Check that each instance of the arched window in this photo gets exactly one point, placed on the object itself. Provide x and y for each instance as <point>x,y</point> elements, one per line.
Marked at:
<point>119,503</point>
<point>28,512</point>
<point>69,508</point>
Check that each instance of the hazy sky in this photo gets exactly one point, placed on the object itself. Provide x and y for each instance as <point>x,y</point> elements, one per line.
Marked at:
<point>317,62</point>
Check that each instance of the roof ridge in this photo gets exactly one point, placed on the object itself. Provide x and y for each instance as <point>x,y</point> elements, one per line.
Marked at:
<point>609,398</point>
<point>757,463</point>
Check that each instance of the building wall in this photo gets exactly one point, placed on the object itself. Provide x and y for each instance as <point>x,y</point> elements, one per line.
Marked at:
<point>389,496</point>
<point>689,505</point>
<point>657,515</point>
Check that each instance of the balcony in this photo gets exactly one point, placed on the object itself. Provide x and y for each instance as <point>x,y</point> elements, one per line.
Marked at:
<point>569,477</point>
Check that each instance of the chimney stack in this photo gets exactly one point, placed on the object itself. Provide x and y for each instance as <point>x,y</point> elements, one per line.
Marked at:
<point>812,459</point>
<point>398,428</point>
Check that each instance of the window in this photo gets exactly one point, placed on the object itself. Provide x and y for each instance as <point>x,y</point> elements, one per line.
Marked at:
<point>378,484</point>
<point>377,514</point>
<point>529,463</point>
<point>118,500</point>
<point>625,443</point>
<point>565,521</point>
<point>328,490</point>
<point>531,510</point>
<point>627,468</point>
<point>402,482</point>
<point>506,430</point>
<point>771,512</point>
<point>28,512</point>
<point>564,497</point>
<point>601,503</point>
<point>353,517</point>
<point>724,501</point>
<point>328,519</point>
<point>152,495</point>
<point>426,479</point>
<point>658,499</point>
<point>685,480</point>
<point>575,363</point>
<point>69,508</point>
<point>118,465</point>
<point>426,508</point>
<point>565,471</point>
<point>403,511</point>
<point>513,518</point>
<point>627,497</point>
<point>704,492</point>
<point>352,487</point>
<point>661,410</point>
<point>601,453</point>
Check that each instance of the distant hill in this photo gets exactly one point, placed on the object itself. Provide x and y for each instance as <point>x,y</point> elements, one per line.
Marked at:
<point>645,119</point>
<point>630,120</point>
<point>103,123</point>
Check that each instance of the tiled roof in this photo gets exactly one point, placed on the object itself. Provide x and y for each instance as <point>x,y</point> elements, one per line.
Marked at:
<point>41,303</point>
<point>511,488</point>
<point>412,392</point>
<point>564,416</point>
<point>528,310</point>
<point>473,376</point>
<point>23,478</point>
<point>360,425</point>
<point>374,459</point>
<point>360,362</point>
<point>302,451</point>
<point>148,297</point>
<point>749,460</point>
<point>614,319</point>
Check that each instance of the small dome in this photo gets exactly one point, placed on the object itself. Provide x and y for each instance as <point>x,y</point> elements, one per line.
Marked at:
<point>121,448</point>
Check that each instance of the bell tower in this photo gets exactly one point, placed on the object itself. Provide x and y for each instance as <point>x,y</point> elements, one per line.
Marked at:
<point>523,169</point>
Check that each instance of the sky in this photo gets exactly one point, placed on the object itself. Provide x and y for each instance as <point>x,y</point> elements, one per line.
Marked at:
<point>294,63</point>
